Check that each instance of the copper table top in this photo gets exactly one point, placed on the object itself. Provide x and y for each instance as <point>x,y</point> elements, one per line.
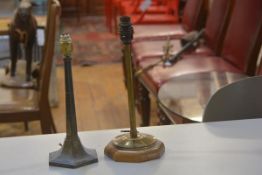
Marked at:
<point>187,95</point>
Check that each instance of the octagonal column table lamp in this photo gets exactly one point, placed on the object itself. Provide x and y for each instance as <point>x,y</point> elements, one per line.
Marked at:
<point>72,154</point>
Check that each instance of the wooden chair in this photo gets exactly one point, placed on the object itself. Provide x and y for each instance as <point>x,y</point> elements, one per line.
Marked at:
<point>239,100</point>
<point>111,11</point>
<point>108,14</point>
<point>145,51</point>
<point>68,7</point>
<point>20,105</point>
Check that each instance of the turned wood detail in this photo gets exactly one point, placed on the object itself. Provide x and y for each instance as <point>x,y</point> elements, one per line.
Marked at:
<point>143,103</point>
<point>163,119</point>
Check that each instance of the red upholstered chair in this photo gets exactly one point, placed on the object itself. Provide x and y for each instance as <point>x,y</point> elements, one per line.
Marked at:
<point>216,25</point>
<point>111,8</point>
<point>239,54</point>
<point>154,8</point>
<point>129,7</point>
<point>161,17</point>
<point>108,14</point>
<point>159,12</point>
<point>193,18</point>
<point>110,11</point>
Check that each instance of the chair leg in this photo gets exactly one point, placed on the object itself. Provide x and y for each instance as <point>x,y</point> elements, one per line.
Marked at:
<point>163,119</point>
<point>108,14</point>
<point>26,125</point>
<point>143,104</point>
<point>50,116</point>
<point>115,16</point>
<point>46,121</point>
<point>53,125</point>
<point>110,22</point>
<point>77,5</point>
<point>46,128</point>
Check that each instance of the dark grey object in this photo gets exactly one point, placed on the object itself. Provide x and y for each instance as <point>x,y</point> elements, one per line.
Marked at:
<point>72,154</point>
<point>239,100</point>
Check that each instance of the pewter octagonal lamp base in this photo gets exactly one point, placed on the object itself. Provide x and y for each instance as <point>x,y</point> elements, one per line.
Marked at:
<point>60,159</point>
<point>72,155</point>
<point>126,149</point>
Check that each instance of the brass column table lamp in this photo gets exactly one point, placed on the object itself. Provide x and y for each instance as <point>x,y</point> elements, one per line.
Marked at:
<point>132,146</point>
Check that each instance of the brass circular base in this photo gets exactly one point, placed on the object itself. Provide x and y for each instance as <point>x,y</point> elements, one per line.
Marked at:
<point>136,154</point>
<point>16,82</point>
<point>125,141</point>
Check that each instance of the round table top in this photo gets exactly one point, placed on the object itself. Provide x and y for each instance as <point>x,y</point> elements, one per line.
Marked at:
<point>187,95</point>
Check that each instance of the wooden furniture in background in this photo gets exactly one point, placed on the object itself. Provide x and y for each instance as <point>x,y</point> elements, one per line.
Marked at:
<point>80,8</point>
<point>236,55</point>
<point>184,98</point>
<point>71,7</point>
<point>213,36</point>
<point>33,104</point>
<point>95,7</point>
<point>141,12</point>
<point>111,116</point>
<point>193,18</point>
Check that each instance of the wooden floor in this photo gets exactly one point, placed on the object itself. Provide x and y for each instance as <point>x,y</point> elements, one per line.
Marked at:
<point>100,97</point>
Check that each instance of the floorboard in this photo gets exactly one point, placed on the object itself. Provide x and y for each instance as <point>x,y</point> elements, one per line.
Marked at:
<point>100,98</point>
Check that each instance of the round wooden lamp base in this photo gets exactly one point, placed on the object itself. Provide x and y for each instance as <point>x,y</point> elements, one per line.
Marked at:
<point>135,155</point>
<point>16,82</point>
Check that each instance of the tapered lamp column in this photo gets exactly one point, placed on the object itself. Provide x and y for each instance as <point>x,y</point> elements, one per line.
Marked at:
<point>133,146</point>
<point>72,154</point>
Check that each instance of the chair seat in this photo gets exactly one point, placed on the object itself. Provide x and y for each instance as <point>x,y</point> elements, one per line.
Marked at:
<point>18,100</point>
<point>154,19</point>
<point>151,49</point>
<point>154,32</point>
<point>204,50</point>
<point>158,75</point>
